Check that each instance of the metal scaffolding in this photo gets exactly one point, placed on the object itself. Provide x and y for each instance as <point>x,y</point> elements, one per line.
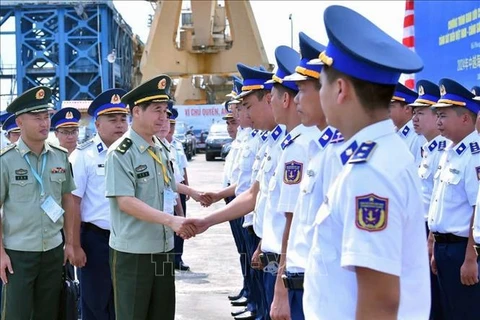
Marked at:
<point>65,45</point>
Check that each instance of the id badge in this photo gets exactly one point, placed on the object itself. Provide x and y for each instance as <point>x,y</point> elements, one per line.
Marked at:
<point>52,209</point>
<point>169,201</point>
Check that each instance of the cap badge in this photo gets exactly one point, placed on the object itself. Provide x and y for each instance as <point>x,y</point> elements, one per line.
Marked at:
<point>69,115</point>
<point>442,90</point>
<point>162,84</point>
<point>421,91</point>
<point>40,94</point>
<point>115,99</point>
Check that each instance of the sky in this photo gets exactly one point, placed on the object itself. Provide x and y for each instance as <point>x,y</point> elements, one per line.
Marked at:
<point>273,22</point>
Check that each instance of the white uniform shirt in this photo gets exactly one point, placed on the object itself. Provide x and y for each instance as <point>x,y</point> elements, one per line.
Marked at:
<point>413,140</point>
<point>238,145</point>
<point>432,152</point>
<point>455,188</point>
<point>3,140</point>
<point>180,156</point>
<point>88,164</point>
<point>476,220</point>
<point>173,156</point>
<point>309,201</point>
<point>370,218</point>
<point>246,158</point>
<point>265,174</point>
<point>230,165</point>
<point>284,186</point>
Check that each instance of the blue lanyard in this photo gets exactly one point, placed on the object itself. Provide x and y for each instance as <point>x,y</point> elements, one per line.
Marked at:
<point>35,173</point>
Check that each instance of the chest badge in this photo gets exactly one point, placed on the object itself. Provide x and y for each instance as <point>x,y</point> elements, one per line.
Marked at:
<point>58,170</point>
<point>141,168</point>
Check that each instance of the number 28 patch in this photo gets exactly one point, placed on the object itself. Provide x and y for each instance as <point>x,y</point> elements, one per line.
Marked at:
<point>371,212</point>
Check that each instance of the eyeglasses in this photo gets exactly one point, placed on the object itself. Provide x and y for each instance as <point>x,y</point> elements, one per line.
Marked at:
<point>68,132</point>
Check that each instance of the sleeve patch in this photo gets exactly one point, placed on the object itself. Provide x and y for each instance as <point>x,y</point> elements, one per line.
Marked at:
<point>293,172</point>
<point>371,212</point>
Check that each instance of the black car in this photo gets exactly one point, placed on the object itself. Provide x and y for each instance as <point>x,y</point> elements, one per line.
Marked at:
<point>217,138</point>
<point>184,135</point>
<point>225,150</point>
<point>201,136</point>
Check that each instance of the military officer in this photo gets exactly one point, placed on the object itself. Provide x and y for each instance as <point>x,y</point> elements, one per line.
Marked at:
<point>88,164</point>
<point>369,243</point>
<point>455,190</point>
<point>284,186</point>
<point>12,131</point>
<point>35,194</point>
<point>141,189</point>
<point>476,92</point>
<point>65,123</point>
<point>311,187</point>
<point>425,123</point>
<point>401,114</point>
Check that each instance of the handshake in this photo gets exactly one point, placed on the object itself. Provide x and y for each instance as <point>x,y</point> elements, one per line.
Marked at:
<point>206,199</point>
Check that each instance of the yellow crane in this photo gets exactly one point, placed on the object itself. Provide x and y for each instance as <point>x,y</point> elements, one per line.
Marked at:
<point>199,47</point>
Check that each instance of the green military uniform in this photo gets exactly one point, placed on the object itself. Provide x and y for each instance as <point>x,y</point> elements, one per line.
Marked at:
<point>31,239</point>
<point>143,283</point>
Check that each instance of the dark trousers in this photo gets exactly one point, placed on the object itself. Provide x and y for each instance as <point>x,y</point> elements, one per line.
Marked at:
<point>95,278</point>
<point>257,296</point>
<point>178,241</point>
<point>143,285</point>
<point>33,290</point>
<point>436,309</point>
<point>459,301</point>
<point>269,279</point>
<point>295,300</point>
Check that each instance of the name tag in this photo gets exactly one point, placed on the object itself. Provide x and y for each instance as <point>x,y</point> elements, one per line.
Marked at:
<point>52,209</point>
<point>169,201</point>
<point>100,170</point>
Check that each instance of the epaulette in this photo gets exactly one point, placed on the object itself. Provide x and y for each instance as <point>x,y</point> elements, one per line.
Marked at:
<point>124,145</point>
<point>474,148</point>
<point>288,140</point>
<point>363,153</point>
<point>7,148</point>
<point>442,145</point>
<point>405,131</point>
<point>85,144</point>
<point>57,147</point>
<point>337,138</point>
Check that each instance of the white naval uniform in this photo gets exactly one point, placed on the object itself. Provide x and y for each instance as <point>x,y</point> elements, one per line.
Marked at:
<point>238,145</point>
<point>309,200</point>
<point>88,167</point>
<point>265,174</point>
<point>172,156</point>
<point>179,159</point>
<point>284,186</point>
<point>230,165</point>
<point>456,186</point>
<point>476,220</point>
<point>370,218</point>
<point>432,151</point>
<point>246,159</point>
<point>4,142</point>
<point>413,140</point>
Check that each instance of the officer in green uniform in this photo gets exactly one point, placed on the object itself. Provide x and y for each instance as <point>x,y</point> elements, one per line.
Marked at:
<point>35,193</point>
<point>141,189</point>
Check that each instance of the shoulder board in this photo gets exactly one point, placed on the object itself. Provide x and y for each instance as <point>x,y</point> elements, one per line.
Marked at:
<point>85,145</point>
<point>474,148</point>
<point>7,148</point>
<point>363,153</point>
<point>337,138</point>
<point>124,145</point>
<point>57,147</point>
<point>288,141</point>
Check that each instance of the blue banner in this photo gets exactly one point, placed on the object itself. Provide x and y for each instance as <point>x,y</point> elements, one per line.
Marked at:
<point>447,37</point>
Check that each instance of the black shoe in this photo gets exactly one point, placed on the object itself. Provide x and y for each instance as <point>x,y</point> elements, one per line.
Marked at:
<point>245,316</point>
<point>238,296</point>
<point>181,266</point>
<point>239,312</point>
<point>242,302</point>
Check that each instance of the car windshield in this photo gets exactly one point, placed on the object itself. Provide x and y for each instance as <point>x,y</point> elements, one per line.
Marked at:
<point>219,128</point>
